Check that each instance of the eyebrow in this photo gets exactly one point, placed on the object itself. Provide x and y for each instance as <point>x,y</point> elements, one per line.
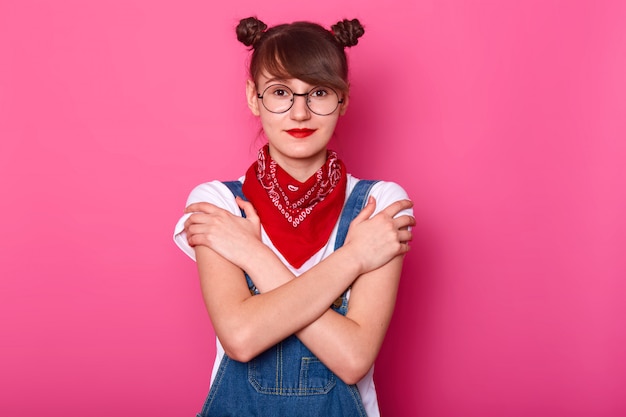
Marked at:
<point>275,79</point>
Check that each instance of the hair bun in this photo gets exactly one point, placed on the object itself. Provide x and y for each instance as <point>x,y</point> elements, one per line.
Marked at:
<point>250,30</point>
<point>347,32</point>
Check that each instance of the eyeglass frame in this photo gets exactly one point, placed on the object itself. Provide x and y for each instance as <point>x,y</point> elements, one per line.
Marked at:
<point>293,100</point>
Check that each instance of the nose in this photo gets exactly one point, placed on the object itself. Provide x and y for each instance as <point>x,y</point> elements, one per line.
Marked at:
<point>300,109</point>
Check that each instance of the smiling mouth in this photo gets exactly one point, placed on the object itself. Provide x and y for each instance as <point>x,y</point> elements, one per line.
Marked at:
<point>300,133</point>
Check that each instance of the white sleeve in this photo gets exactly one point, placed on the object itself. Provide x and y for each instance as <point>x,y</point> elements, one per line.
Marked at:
<point>213,192</point>
<point>386,193</point>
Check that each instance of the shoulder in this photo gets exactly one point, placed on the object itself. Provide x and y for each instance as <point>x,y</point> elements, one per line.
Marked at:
<point>385,192</point>
<point>388,190</point>
<point>214,192</point>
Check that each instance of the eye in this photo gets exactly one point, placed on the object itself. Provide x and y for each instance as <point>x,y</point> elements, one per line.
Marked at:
<point>279,91</point>
<point>319,92</point>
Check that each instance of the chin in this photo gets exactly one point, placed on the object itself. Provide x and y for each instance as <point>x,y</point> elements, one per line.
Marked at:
<point>301,148</point>
<point>309,152</point>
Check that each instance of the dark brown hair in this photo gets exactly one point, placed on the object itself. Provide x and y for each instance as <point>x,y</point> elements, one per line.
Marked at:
<point>302,50</point>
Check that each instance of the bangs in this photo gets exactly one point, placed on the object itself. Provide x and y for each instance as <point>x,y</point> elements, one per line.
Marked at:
<point>299,55</point>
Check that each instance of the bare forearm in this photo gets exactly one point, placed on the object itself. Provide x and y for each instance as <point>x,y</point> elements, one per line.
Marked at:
<point>345,346</point>
<point>337,341</point>
<point>266,270</point>
<point>349,345</point>
<point>264,320</point>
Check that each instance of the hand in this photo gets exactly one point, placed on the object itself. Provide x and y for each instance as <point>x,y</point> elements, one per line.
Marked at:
<point>233,237</point>
<point>379,239</point>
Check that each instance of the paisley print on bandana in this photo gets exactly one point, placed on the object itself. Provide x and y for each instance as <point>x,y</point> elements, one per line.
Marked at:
<point>297,216</point>
<point>296,205</point>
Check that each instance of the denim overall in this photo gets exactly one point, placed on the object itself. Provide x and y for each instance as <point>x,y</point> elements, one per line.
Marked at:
<point>287,379</point>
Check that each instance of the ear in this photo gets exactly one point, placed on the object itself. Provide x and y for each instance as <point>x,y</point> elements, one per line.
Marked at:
<point>253,100</point>
<point>344,106</point>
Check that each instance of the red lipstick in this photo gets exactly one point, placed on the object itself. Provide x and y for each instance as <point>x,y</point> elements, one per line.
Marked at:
<point>300,133</point>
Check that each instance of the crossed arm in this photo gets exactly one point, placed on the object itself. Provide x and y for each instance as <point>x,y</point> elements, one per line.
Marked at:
<point>225,245</point>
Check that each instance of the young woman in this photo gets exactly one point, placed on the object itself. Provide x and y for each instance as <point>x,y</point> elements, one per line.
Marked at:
<point>300,280</point>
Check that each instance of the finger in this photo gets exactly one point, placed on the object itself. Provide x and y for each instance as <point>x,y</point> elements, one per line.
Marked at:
<point>194,240</point>
<point>406,247</point>
<point>198,229</point>
<point>189,222</point>
<point>202,207</point>
<point>397,206</point>
<point>405,236</point>
<point>198,234</point>
<point>404,222</point>
<point>367,211</point>
<point>197,218</point>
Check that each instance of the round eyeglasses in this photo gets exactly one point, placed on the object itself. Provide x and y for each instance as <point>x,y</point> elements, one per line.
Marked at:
<point>279,98</point>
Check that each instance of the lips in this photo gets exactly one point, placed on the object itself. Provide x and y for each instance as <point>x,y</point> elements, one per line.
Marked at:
<point>300,133</point>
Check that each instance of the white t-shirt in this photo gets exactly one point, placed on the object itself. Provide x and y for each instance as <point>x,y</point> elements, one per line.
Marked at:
<point>218,194</point>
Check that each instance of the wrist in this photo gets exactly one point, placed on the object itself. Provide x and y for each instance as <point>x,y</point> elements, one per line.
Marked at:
<point>350,259</point>
<point>266,269</point>
<point>255,255</point>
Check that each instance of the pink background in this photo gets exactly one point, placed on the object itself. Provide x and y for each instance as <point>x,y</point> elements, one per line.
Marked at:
<point>505,121</point>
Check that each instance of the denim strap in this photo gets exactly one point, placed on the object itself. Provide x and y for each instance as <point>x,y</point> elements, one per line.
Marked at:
<point>235,188</point>
<point>354,205</point>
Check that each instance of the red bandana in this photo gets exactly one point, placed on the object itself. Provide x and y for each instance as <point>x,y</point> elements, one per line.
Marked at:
<point>297,216</point>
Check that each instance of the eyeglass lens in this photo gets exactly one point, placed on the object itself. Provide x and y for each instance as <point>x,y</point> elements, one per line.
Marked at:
<point>279,98</point>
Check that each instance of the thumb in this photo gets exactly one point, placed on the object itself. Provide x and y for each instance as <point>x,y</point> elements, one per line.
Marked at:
<point>248,208</point>
<point>367,211</point>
